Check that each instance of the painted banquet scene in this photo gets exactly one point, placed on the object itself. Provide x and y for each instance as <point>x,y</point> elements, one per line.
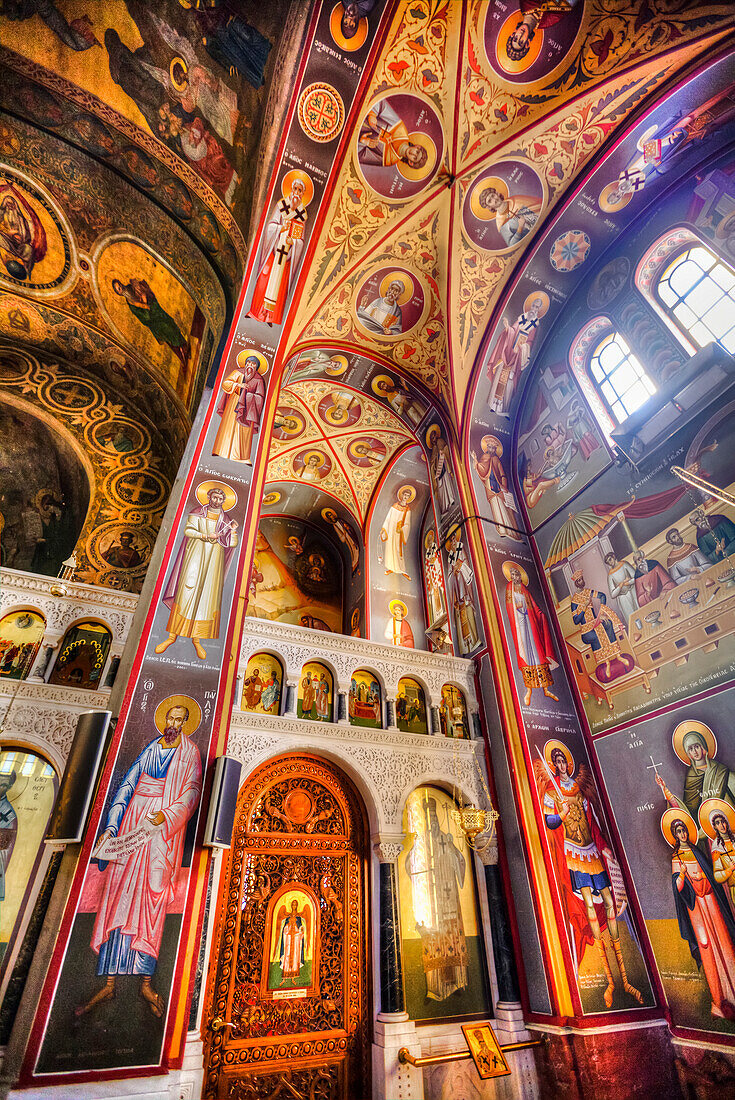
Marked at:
<point>367,550</point>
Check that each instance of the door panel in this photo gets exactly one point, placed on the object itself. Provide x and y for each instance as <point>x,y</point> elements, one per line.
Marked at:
<point>289,970</point>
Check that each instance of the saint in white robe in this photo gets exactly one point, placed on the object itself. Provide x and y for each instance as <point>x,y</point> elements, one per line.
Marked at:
<point>394,537</point>
<point>194,591</point>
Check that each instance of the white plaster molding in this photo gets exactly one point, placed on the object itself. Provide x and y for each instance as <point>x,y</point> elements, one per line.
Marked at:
<point>20,590</point>
<point>296,645</point>
<point>385,764</point>
<point>44,716</point>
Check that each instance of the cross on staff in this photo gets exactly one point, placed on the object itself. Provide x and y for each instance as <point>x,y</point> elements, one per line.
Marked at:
<point>282,253</point>
<point>654,765</point>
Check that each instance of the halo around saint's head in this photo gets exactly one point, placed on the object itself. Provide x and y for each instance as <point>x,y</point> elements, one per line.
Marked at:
<point>251,353</point>
<point>509,64</point>
<point>702,733</point>
<point>311,454</point>
<point>552,746</point>
<point>327,514</point>
<point>535,296</point>
<point>192,722</point>
<point>398,277</point>
<point>348,45</point>
<point>487,440</point>
<point>271,497</point>
<point>613,207</point>
<point>455,529</point>
<point>508,565</point>
<point>429,538</point>
<point>178,63</point>
<point>494,182</point>
<point>205,488</point>
<point>424,142</point>
<point>675,813</point>
<point>397,605</point>
<point>711,808</point>
<point>411,491</point>
<point>288,181</point>
<point>337,366</point>
<point>431,435</point>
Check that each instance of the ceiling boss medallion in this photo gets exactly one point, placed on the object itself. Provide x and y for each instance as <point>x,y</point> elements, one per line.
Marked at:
<point>321,112</point>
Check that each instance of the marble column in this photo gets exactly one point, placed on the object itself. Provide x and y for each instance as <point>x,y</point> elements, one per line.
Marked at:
<point>392,999</point>
<point>291,698</point>
<point>503,954</point>
<point>436,726</point>
<point>393,1029</point>
<point>390,714</point>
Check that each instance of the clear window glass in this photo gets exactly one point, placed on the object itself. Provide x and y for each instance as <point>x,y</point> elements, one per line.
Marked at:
<point>620,378</point>
<point>698,290</point>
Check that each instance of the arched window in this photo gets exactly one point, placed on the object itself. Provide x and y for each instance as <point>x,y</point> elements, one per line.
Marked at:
<point>262,685</point>
<point>316,693</point>
<point>365,703</point>
<point>20,636</point>
<point>411,706</point>
<point>619,377</point>
<point>698,290</point>
<point>82,656</point>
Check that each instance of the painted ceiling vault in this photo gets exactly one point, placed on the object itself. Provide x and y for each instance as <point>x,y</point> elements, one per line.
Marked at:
<point>502,135</point>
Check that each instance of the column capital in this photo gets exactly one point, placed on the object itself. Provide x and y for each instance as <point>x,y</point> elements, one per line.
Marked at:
<point>388,846</point>
<point>488,853</point>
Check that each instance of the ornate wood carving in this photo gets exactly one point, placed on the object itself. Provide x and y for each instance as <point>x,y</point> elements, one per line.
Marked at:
<point>297,867</point>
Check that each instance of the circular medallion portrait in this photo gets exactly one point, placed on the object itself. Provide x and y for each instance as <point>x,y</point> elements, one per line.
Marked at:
<point>36,250</point>
<point>288,423</point>
<point>389,303</point>
<point>271,498</point>
<point>120,437</point>
<point>340,408</point>
<point>125,548</point>
<point>311,465</point>
<point>503,205</point>
<point>608,283</point>
<point>348,25</point>
<point>366,451</point>
<point>526,40</point>
<point>400,146</point>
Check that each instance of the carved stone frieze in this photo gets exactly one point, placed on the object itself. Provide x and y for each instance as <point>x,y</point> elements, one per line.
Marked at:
<point>44,716</point>
<point>386,764</point>
<point>82,601</point>
<point>295,645</point>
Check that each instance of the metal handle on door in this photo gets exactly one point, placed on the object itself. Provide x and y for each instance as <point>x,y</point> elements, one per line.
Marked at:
<point>218,1024</point>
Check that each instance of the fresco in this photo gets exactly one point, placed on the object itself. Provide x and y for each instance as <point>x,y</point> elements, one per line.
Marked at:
<point>36,244</point>
<point>44,493</point>
<point>436,599</point>
<point>21,633</point>
<point>316,693</point>
<point>491,472</point>
<point>441,941</point>
<point>364,700</point>
<point>461,594</point>
<point>294,934</point>
<point>670,785</point>
<point>528,42</point>
<point>411,707</point>
<point>281,248</point>
<point>28,786</point>
<point>241,407</point>
<point>390,302</point>
<point>82,656</point>
<point>640,574</point>
<point>503,205</point>
<point>400,146</point>
<point>560,446</point>
<point>297,576</point>
<point>262,684</point>
<point>396,589</point>
<point>453,718</point>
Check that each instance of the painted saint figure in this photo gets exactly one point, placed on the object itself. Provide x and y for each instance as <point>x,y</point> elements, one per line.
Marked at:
<point>395,531</point>
<point>23,241</point>
<point>281,249</point>
<point>384,140</point>
<point>440,469</point>
<point>461,583</point>
<point>696,746</point>
<point>157,795</point>
<point>144,305</point>
<point>515,215</point>
<point>492,475</point>
<point>292,941</point>
<point>433,578</point>
<point>383,314</point>
<point>443,943</point>
<point>8,828</point>
<point>398,630</point>
<point>511,352</point>
<point>651,579</point>
<point>715,535</point>
<point>346,535</point>
<point>602,629</point>
<point>582,856</point>
<point>529,626</point>
<point>536,15</point>
<point>241,407</point>
<point>193,594</point>
<point>717,820</point>
<point>685,560</point>
<point>621,583</point>
<point>702,910</point>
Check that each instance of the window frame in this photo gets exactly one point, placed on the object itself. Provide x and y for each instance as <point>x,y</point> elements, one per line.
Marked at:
<point>603,339</point>
<point>675,323</point>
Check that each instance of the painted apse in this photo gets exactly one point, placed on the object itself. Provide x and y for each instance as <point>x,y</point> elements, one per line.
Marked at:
<point>125,958</point>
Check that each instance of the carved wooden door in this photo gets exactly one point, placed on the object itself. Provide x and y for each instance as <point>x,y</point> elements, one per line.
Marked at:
<point>287,1012</point>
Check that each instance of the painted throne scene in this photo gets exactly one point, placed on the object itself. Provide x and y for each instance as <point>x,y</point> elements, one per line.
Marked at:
<point>367,549</point>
